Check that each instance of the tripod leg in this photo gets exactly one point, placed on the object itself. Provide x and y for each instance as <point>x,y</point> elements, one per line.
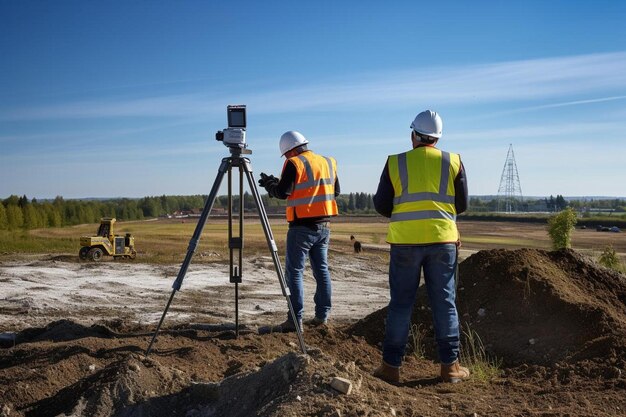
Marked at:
<point>235,244</point>
<point>273,249</point>
<point>193,243</point>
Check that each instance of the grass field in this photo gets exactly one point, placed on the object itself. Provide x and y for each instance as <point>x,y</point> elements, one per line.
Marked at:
<point>166,241</point>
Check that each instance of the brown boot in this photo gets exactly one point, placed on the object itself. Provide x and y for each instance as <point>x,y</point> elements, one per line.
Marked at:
<point>388,373</point>
<point>454,372</point>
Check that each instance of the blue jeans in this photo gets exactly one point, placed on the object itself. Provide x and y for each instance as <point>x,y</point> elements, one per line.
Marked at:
<point>303,241</point>
<point>439,263</point>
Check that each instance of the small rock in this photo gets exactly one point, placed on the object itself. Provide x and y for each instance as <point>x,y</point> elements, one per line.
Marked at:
<point>532,341</point>
<point>342,385</point>
<point>393,412</point>
<point>482,312</point>
<point>314,352</point>
<point>258,307</point>
<point>358,383</point>
<point>6,411</point>
<point>134,367</point>
<point>298,398</point>
<point>92,367</point>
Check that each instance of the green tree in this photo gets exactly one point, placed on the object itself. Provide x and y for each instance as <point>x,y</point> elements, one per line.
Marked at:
<point>12,200</point>
<point>4,222</point>
<point>53,215</point>
<point>31,217</point>
<point>15,218</point>
<point>560,228</point>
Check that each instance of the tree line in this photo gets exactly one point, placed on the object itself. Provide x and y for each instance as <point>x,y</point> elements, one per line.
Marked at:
<point>23,213</point>
<point>551,204</point>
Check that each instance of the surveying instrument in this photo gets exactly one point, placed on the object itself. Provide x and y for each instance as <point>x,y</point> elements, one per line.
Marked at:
<point>234,137</point>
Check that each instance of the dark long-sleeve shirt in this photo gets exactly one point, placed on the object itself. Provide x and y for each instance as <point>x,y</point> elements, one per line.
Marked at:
<point>284,188</point>
<point>383,199</point>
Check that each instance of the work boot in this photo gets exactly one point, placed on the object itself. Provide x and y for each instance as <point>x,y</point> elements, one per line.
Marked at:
<point>388,373</point>
<point>454,372</point>
<point>316,321</point>
<point>287,326</point>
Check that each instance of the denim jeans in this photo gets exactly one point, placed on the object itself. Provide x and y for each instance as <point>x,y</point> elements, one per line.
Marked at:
<point>439,263</point>
<point>311,241</point>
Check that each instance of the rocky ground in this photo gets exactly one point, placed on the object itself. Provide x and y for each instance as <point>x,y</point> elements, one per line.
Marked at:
<point>74,345</point>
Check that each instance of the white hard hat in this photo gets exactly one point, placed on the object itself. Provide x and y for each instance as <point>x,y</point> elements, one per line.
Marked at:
<point>428,123</point>
<point>290,140</point>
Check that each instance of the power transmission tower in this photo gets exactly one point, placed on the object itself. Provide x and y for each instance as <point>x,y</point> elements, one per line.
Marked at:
<point>510,190</point>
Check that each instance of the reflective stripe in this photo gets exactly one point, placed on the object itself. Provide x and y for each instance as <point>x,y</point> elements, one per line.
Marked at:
<point>330,170</point>
<point>445,173</point>
<point>413,197</point>
<point>441,197</point>
<point>404,174</point>
<point>422,215</point>
<point>309,200</point>
<point>311,179</point>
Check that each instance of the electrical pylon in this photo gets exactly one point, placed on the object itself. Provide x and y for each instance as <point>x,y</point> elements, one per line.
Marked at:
<point>510,190</point>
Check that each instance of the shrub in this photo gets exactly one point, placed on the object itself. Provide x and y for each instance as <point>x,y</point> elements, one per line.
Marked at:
<point>560,228</point>
<point>609,258</point>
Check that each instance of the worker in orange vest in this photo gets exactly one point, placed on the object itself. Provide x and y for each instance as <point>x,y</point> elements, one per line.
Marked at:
<point>309,183</point>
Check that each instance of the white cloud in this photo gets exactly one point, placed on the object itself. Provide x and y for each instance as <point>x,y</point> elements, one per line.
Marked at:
<point>526,80</point>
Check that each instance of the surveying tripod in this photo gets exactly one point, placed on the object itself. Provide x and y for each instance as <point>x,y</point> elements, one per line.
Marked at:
<point>235,244</point>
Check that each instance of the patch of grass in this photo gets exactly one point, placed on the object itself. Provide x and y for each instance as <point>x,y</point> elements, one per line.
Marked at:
<point>416,335</point>
<point>159,242</point>
<point>474,357</point>
<point>24,242</point>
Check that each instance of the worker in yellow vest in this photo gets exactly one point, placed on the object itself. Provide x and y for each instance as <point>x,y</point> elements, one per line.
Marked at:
<point>422,191</point>
<point>309,183</point>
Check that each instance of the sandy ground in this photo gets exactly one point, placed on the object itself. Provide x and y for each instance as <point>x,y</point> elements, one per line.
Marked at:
<point>47,288</point>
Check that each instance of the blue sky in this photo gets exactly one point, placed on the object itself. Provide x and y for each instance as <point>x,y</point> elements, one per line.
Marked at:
<point>122,99</point>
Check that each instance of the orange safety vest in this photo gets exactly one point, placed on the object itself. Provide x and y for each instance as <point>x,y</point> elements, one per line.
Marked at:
<point>314,189</point>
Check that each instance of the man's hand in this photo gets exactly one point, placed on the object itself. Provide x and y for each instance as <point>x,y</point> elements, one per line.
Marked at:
<point>267,180</point>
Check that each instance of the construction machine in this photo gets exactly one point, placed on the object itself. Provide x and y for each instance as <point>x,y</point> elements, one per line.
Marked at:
<point>106,242</point>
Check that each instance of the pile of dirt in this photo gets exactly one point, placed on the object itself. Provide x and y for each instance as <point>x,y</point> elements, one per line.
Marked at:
<point>531,307</point>
<point>539,307</point>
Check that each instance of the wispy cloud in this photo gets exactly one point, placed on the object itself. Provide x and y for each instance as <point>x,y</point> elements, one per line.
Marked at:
<point>543,132</point>
<point>515,81</point>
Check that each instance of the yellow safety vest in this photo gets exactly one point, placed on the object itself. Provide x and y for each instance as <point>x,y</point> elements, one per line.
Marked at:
<point>423,206</point>
<point>314,189</point>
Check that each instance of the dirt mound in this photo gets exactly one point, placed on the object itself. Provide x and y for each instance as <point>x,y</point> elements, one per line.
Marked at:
<point>531,306</point>
<point>62,330</point>
<point>541,307</point>
<point>113,390</point>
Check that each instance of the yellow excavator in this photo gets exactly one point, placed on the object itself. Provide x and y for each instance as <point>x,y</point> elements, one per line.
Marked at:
<point>106,242</point>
